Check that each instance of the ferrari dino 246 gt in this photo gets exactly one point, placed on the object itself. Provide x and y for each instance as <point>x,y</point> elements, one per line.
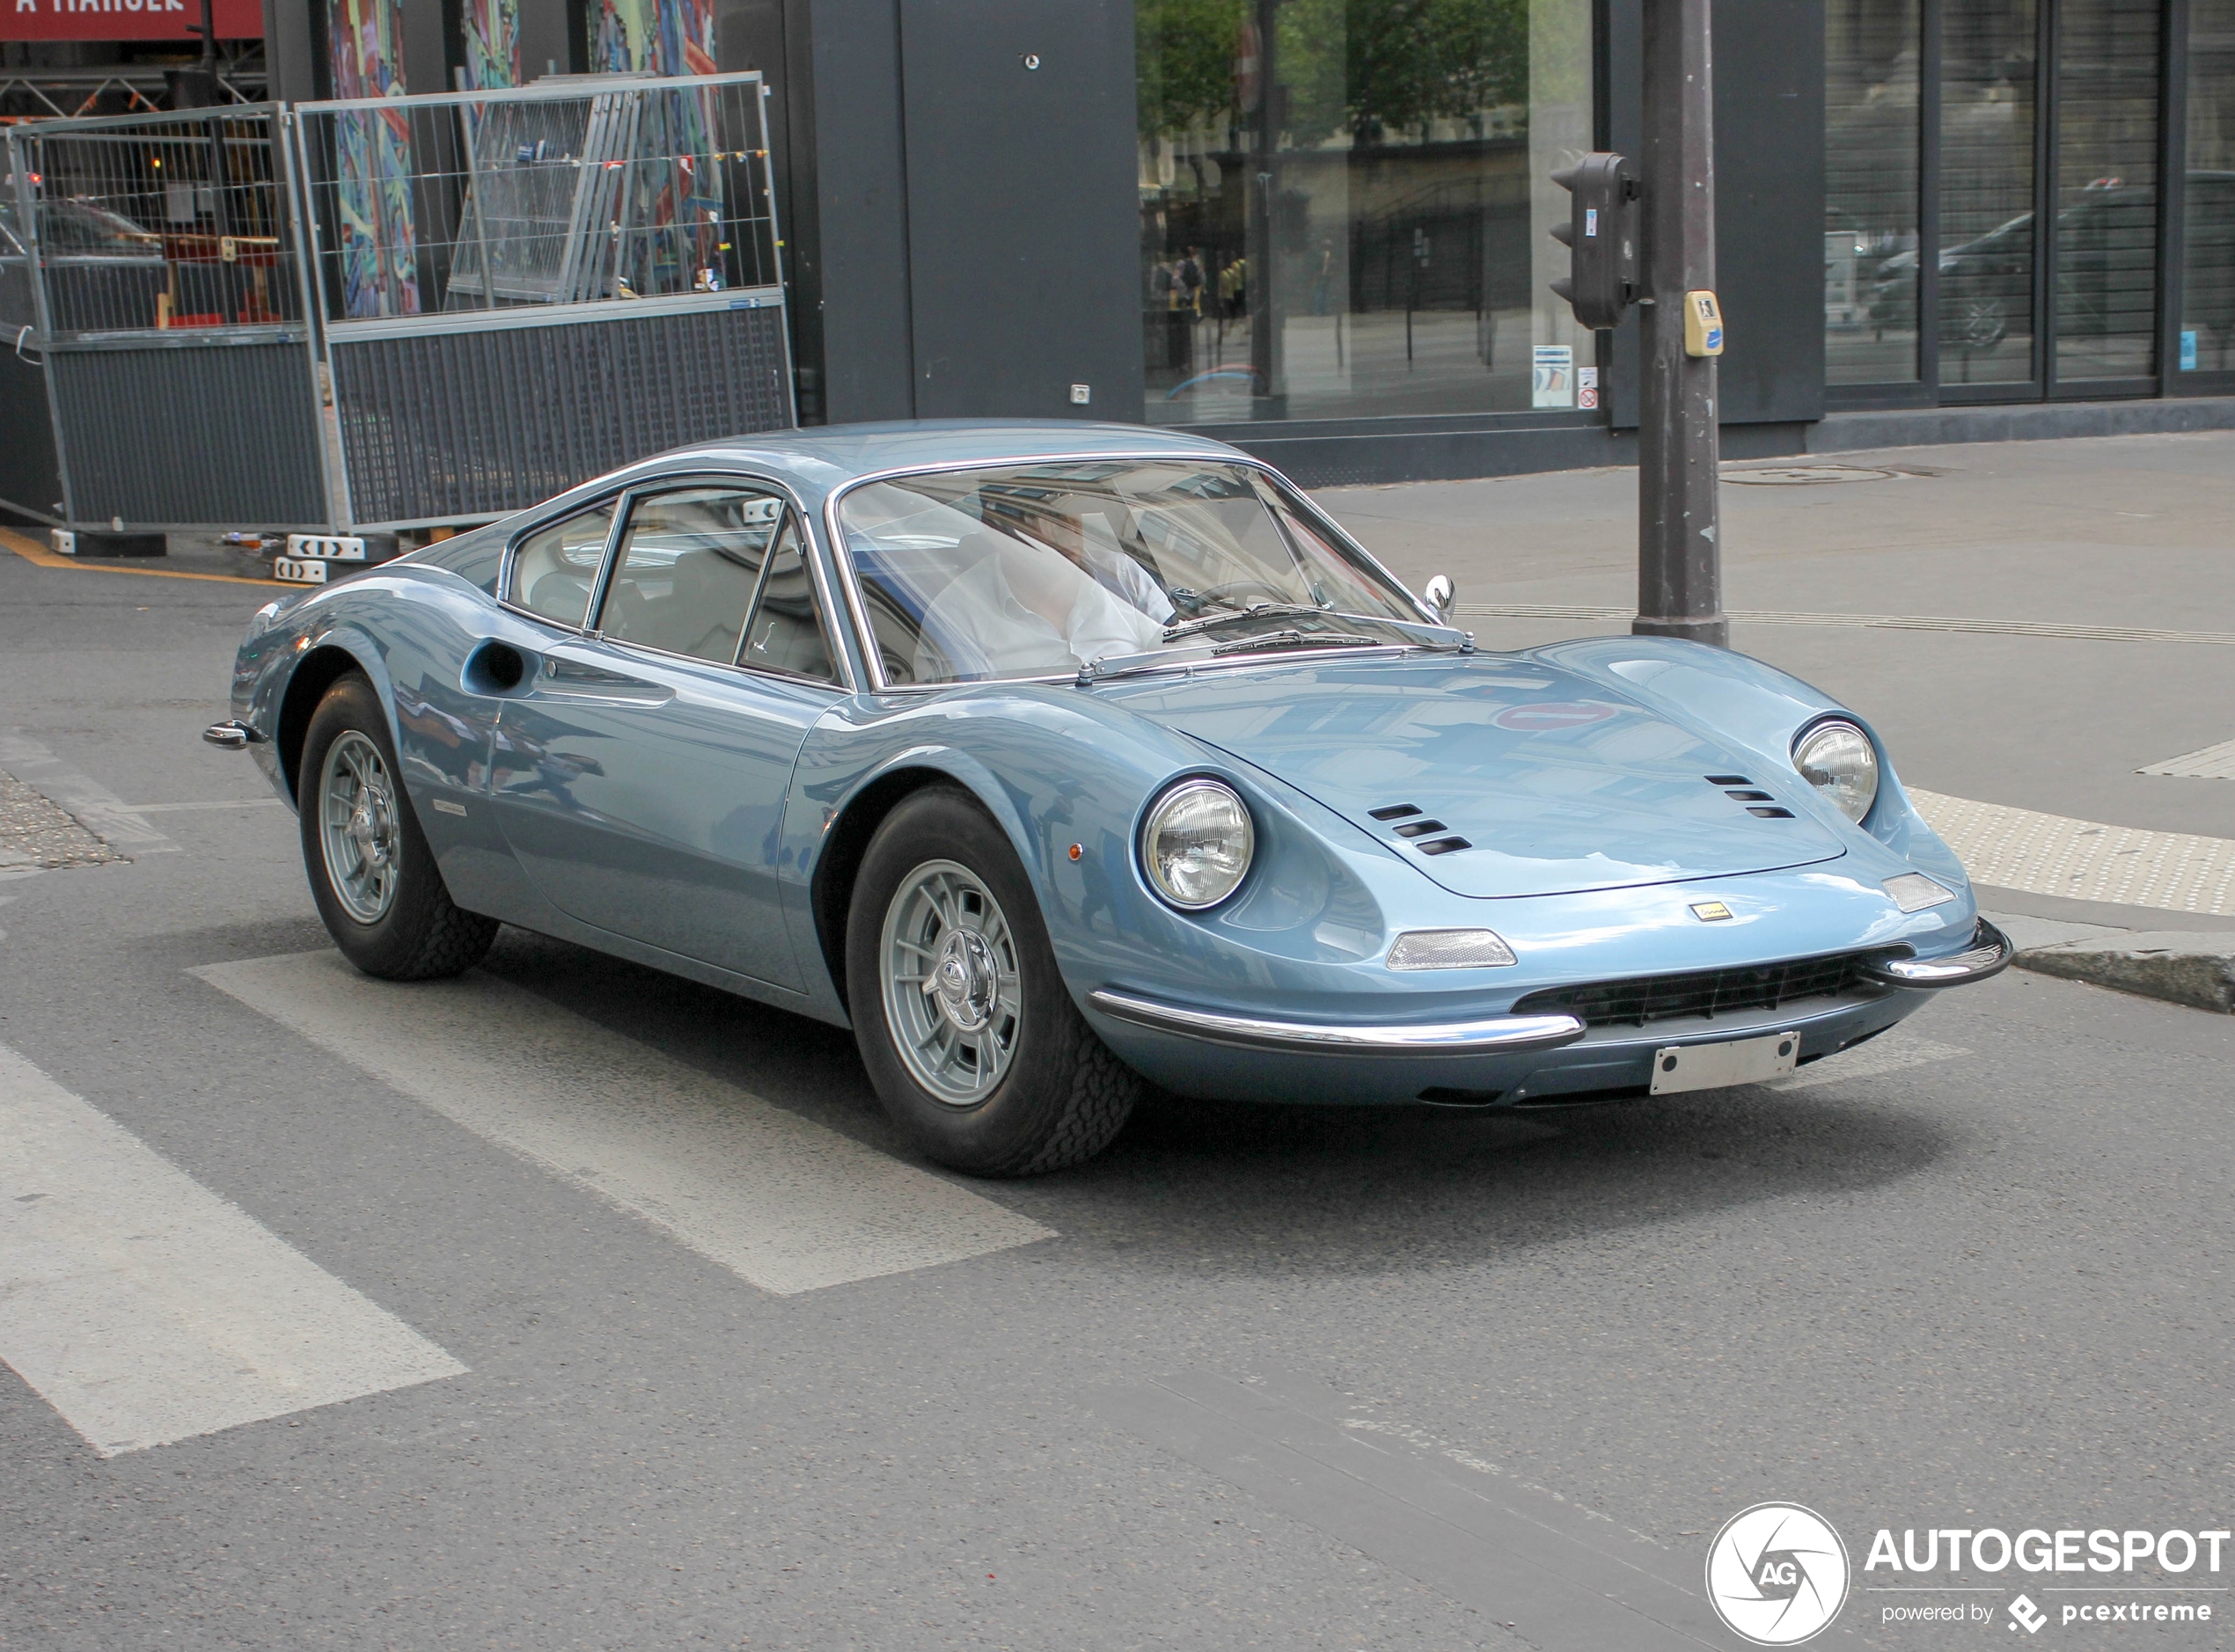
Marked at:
<point>1056,759</point>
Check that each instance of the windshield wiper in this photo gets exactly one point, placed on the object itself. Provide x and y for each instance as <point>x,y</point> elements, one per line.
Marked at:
<point>1293,638</point>
<point>1261,610</point>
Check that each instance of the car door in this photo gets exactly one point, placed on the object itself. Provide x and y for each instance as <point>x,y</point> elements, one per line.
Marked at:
<point>641,774</point>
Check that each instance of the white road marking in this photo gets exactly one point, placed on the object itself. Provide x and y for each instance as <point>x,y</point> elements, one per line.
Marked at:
<point>145,1309</point>
<point>2213,763</point>
<point>783,1203</point>
<point>1892,1051</point>
<point>2085,860</point>
<point>99,810</point>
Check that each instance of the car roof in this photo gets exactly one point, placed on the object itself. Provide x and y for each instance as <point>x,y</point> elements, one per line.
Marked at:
<point>822,459</point>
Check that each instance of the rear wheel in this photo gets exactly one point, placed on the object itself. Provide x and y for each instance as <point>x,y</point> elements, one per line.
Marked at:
<point>972,1042</point>
<point>371,873</point>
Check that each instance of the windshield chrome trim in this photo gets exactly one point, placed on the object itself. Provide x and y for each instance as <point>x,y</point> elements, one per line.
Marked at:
<point>866,637</point>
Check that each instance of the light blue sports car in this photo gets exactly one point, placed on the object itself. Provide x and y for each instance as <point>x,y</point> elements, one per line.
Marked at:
<point>1057,758</point>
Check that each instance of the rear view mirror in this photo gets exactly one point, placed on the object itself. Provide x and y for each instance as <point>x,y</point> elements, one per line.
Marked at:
<point>1440,594</point>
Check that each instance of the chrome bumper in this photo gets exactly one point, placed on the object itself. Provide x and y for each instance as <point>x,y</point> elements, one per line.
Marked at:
<point>233,735</point>
<point>1496,1034</point>
<point>1988,953</point>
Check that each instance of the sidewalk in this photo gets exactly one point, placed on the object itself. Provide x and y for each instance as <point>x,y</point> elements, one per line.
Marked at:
<point>2091,584</point>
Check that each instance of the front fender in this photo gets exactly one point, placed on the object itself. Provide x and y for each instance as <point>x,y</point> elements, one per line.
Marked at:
<point>1739,700</point>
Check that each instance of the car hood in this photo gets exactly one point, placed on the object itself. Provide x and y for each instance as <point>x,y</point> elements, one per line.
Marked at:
<point>1556,783</point>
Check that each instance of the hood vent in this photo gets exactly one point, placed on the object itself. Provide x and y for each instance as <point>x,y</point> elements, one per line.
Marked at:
<point>1415,831</point>
<point>1759,804</point>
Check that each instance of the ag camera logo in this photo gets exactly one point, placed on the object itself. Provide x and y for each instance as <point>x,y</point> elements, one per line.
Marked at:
<point>1776,1573</point>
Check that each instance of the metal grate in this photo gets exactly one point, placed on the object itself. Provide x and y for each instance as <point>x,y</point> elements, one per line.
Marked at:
<point>206,433</point>
<point>554,194</point>
<point>431,423</point>
<point>156,222</point>
<point>1702,992</point>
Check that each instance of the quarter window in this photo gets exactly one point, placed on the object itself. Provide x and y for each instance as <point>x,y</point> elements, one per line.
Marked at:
<point>689,563</point>
<point>554,570</point>
<point>786,631</point>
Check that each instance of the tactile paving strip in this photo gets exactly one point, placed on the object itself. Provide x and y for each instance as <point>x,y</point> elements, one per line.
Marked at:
<point>2213,763</point>
<point>2085,860</point>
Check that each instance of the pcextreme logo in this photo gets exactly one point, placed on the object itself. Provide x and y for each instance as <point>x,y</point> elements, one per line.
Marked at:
<point>1776,1573</point>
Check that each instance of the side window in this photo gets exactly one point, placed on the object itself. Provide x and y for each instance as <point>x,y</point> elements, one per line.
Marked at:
<point>786,633</point>
<point>689,563</point>
<point>554,570</point>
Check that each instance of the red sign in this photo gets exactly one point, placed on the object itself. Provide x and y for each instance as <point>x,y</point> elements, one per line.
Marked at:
<point>126,19</point>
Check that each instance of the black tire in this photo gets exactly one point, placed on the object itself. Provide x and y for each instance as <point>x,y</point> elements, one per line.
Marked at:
<point>418,934</point>
<point>1063,1094</point>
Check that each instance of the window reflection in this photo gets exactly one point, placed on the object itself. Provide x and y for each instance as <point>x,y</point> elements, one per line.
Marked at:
<point>1870,192</point>
<point>1987,142</point>
<point>2106,189</point>
<point>1345,205</point>
<point>2208,281</point>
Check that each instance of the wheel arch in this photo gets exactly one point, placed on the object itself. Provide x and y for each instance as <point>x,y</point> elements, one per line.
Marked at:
<point>319,668</point>
<point>846,839</point>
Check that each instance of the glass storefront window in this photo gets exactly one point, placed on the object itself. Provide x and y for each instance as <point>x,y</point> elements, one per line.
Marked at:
<point>1988,61</point>
<point>2106,189</point>
<point>2208,264</point>
<point>1345,206</point>
<point>1870,192</point>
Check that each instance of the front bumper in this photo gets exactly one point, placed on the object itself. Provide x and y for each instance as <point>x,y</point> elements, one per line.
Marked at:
<point>1510,1058</point>
<point>1494,1034</point>
<point>1988,953</point>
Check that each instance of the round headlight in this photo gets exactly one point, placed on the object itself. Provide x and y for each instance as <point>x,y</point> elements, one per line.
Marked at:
<point>1196,843</point>
<point>1837,759</point>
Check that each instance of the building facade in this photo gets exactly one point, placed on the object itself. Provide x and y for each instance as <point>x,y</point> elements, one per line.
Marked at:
<point>1319,228</point>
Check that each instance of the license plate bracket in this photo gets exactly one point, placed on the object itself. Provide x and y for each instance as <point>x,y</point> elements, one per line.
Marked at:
<point>1680,1067</point>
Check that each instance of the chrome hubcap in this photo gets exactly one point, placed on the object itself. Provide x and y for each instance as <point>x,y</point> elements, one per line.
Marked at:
<point>357,820</point>
<point>951,994</point>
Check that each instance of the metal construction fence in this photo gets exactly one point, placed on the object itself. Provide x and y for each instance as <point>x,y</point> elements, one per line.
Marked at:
<point>393,312</point>
<point>170,308</point>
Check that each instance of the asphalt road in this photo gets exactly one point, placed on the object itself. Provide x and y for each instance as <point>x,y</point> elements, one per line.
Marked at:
<point>1272,1379</point>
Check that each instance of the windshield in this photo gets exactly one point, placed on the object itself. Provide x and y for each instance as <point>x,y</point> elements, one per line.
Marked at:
<point>1044,569</point>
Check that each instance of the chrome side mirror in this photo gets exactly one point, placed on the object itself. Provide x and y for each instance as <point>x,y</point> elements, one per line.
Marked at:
<point>1440,594</point>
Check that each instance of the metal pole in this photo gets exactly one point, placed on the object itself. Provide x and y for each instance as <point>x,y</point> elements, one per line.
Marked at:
<point>1679,563</point>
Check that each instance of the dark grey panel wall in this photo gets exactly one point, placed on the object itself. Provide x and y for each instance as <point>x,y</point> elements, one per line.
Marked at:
<point>225,434</point>
<point>851,242</point>
<point>1769,203</point>
<point>28,477</point>
<point>1023,209</point>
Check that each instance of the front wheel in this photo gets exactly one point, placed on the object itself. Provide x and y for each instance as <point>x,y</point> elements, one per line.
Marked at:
<point>371,873</point>
<point>972,1042</point>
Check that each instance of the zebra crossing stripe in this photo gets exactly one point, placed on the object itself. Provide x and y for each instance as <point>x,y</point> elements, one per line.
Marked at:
<point>145,1309</point>
<point>779,1200</point>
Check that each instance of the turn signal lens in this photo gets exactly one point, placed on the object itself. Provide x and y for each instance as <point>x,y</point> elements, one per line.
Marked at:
<point>1913,892</point>
<point>1839,761</point>
<point>1196,843</point>
<point>1450,949</point>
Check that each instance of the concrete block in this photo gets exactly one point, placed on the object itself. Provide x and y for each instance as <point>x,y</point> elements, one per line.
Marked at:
<point>2180,967</point>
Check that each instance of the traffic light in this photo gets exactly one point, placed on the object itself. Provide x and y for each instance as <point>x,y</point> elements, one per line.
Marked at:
<point>1602,232</point>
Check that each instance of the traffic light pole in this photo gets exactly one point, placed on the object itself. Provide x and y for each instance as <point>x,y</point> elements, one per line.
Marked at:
<point>1680,555</point>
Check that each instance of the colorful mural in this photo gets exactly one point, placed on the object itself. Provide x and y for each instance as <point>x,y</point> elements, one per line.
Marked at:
<point>666,237</point>
<point>372,163</point>
<point>492,44</point>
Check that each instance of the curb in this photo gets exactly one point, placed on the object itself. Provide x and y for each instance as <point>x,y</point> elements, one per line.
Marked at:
<point>2178,966</point>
